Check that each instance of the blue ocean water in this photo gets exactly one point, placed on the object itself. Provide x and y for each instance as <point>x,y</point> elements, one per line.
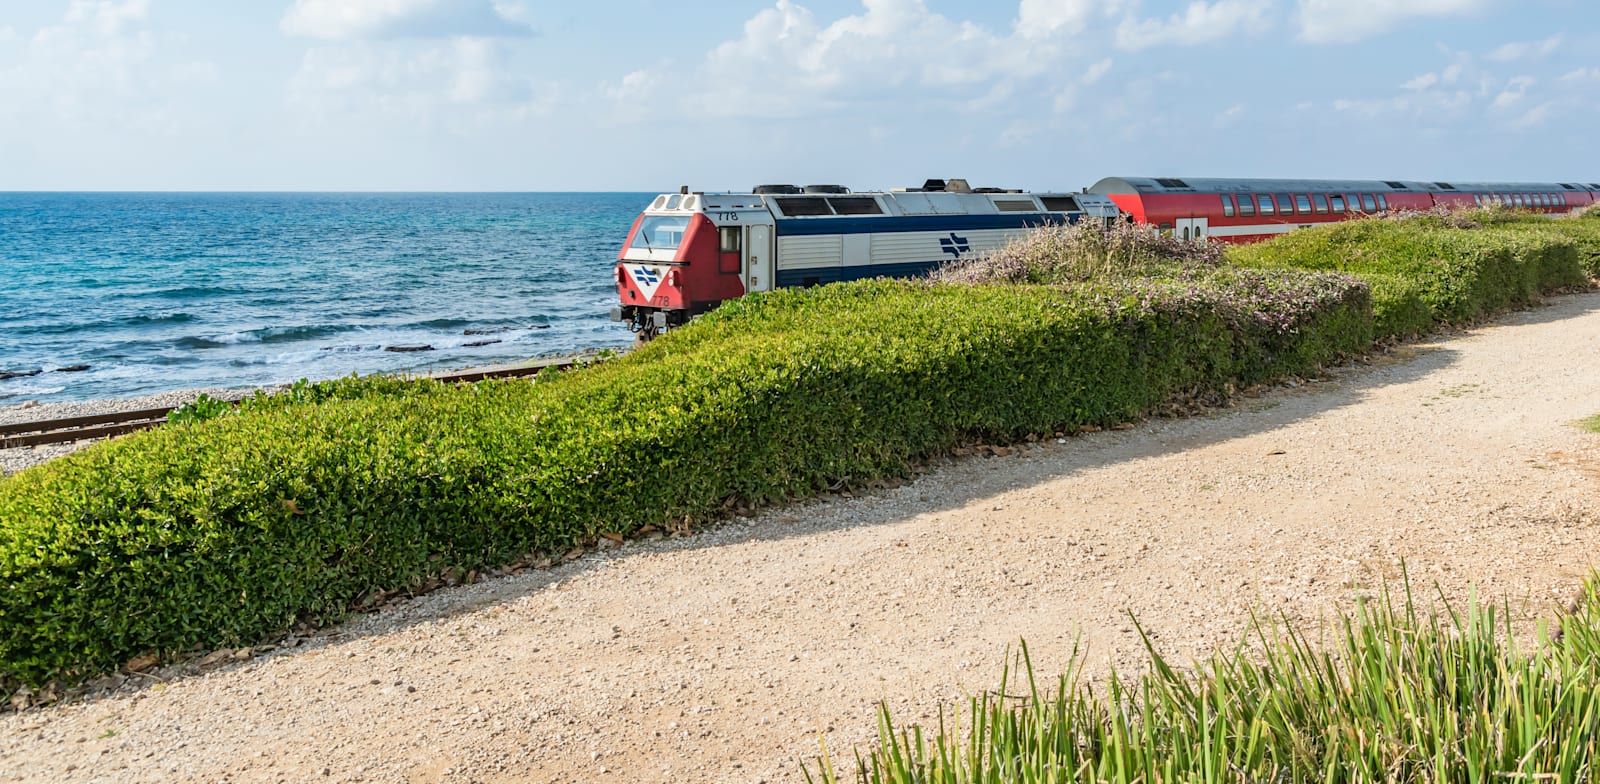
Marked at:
<point>164,291</point>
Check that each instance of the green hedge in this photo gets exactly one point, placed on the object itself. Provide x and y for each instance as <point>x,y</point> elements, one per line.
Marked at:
<point>1424,273</point>
<point>223,531</point>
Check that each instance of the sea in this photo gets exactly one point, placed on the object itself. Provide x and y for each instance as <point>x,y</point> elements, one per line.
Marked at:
<point>108,295</point>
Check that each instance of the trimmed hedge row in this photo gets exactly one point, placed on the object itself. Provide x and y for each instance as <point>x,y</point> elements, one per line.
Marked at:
<point>1423,273</point>
<point>223,531</point>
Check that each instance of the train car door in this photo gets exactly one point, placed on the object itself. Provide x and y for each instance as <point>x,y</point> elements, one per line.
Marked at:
<point>1193,228</point>
<point>758,267</point>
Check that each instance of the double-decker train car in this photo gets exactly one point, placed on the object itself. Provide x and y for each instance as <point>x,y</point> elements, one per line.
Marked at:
<point>1245,210</point>
<point>689,252</point>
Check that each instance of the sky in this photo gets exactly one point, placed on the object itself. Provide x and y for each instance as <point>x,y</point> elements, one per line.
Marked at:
<point>647,95</point>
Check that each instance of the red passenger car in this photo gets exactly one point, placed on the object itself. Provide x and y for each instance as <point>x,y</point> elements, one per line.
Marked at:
<point>1241,210</point>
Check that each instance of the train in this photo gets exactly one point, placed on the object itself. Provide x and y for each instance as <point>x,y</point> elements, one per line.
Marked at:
<point>690,251</point>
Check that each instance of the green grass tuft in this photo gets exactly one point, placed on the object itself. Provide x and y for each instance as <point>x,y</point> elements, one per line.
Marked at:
<point>1400,696</point>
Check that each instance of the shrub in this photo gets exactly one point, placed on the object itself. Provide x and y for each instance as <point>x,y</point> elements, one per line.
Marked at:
<point>223,531</point>
<point>1424,274</point>
<point>1084,252</point>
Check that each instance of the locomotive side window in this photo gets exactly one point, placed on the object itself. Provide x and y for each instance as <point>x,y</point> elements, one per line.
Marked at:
<point>1338,203</point>
<point>1266,204</point>
<point>1227,206</point>
<point>1322,203</point>
<point>856,205</point>
<point>732,239</point>
<point>1368,203</point>
<point>1247,205</point>
<point>1059,203</point>
<point>799,206</point>
<point>1302,204</point>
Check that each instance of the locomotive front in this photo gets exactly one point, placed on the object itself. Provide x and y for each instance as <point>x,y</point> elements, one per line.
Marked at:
<point>685,254</point>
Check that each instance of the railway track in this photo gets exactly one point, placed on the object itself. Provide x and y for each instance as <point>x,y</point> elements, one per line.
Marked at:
<point>70,429</point>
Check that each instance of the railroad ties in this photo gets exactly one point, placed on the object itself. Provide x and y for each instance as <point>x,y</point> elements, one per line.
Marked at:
<point>83,428</point>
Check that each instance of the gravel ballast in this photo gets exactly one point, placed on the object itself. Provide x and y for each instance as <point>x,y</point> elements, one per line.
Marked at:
<point>726,656</point>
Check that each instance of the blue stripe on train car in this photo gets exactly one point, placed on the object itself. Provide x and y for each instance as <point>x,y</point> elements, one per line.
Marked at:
<point>817,276</point>
<point>798,227</point>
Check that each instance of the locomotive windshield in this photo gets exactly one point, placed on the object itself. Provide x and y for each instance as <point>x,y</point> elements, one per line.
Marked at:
<point>660,232</point>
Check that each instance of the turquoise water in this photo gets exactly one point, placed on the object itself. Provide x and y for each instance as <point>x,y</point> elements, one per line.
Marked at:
<point>157,292</point>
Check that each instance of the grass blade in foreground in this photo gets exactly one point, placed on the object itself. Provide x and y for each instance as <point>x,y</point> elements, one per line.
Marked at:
<point>1399,697</point>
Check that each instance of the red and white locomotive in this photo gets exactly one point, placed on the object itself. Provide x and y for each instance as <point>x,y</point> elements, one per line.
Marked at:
<point>689,252</point>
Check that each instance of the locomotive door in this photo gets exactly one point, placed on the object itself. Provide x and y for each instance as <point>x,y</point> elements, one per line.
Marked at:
<point>758,266</point>
<point>1193,228</point>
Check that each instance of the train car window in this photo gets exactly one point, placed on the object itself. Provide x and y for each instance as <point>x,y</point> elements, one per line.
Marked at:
<point>855,205</point>
<point>1227,206</point>
<point>1322,203</point>
<point>1338,203</point>
<point>1302,204</point>
<point>1264,204</point>
<point>1059,203</point>
<point>799,206</point>
<point>1166,229</point>
<point>672,202</point>
<point>732,239</point>
<point>1368,203</point>
<point>1186,232</point>
<point>1285,204</point>
<point>1383,202</point>
<point>1354,201</point>
<point>1247,206</point>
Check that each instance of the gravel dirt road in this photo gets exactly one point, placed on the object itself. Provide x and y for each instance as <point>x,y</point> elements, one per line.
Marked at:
<point>725,656</point>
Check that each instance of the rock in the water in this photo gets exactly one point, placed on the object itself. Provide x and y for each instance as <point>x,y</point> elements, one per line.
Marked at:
<point>5,374</point>
<point>485,331</point>
<point>72,369</point>
<point>404,349</point>
<point>477,343</point>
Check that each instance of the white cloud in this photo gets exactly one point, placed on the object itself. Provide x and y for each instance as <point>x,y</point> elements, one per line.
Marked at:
<point>1581,75</point>
<point>1525,50</point>
<point>1422,82</point>
<point>1228,117</point>
<point>99,65</point>
<point>383,19</point>
<point>787,64</point>
<point>1345,21</point>
<point>1199,23</point>
<point>1538,115</point>
<point>425,81</point>
<point>1513,93</point>
<point>1040,18</point>
<point>107,17</point>
<point>1097,71</point>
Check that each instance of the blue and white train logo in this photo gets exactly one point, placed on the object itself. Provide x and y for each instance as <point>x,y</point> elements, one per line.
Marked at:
<point>647,278</point>
<point>954,245</point>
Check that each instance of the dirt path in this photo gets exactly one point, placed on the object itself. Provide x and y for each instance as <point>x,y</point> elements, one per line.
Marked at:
<point>724,657</point>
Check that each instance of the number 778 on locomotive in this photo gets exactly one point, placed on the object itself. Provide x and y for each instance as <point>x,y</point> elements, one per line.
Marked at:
<point>688,252</point>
